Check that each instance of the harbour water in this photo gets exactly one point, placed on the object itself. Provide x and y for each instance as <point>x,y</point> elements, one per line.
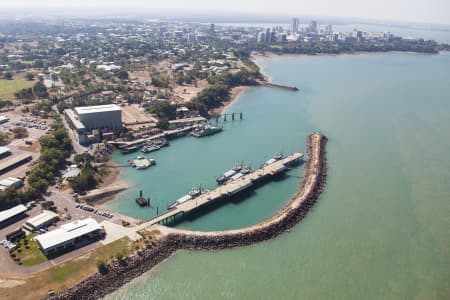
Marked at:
<point>380,230</point>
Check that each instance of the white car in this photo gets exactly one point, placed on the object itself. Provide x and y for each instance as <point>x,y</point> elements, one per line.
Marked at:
<point>3,242</point>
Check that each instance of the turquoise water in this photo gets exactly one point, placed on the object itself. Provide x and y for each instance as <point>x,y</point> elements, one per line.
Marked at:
<point>381,228</point>
<point>190,161</point>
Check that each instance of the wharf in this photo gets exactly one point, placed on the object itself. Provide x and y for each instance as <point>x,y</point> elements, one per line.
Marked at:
<point>165,134</point>
<point>228,189</point>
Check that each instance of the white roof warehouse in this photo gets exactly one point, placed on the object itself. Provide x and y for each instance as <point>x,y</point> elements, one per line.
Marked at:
<point>10,215</point>
<point>71,235</point>
<point>47,217</point>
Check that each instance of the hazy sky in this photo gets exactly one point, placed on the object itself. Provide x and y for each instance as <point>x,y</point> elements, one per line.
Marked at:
<point>430,11</point>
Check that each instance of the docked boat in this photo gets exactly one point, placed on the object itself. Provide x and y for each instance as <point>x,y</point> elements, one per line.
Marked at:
<point>161,142</point>
<point>275,158</point>
<point>246,170</point>
<point>129,149</point>
<point>205,130</point>
<point>194,193</point>
<point>149,148</point>
<point>183,199</point>
<point>222,179</point>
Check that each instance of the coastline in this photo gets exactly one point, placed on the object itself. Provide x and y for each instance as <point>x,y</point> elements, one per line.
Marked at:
<point>270,55</point>
<point>234,95</point>
<point>120,272</point>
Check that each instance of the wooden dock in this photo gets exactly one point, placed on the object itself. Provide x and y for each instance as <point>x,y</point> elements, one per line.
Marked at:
<point>227,190</point>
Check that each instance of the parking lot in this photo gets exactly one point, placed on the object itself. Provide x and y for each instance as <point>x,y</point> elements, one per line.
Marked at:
<point>36,128</point>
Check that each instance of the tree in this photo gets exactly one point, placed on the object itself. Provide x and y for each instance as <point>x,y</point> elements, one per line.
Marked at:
<point>163,124</point>
<point>8,75</point>
<point>29,76</point>
<point>101,266</point>
<point>40,90</point>
<point>3,138</point>
<point>123,75</point>
<point>20,132</point>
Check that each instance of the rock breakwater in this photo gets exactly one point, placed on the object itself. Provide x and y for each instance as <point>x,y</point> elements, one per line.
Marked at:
<point>120,272</point>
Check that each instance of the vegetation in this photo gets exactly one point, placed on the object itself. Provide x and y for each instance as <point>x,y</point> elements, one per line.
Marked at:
<point>20,132</point>
<point>29,253</point>
<point>219,90</point>
<point>8,75</point>
<point>3,138</point>
<point>29,76</point>
<point>9,87</point>
<point>164,110</point>
<point>37,91</point>
<point>55,148</point>
<point>88,178</point>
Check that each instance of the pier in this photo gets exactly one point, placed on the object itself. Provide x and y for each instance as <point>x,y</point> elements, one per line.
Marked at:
<point>165,134</point>
<point>229,189</point>
<point>279,86</point>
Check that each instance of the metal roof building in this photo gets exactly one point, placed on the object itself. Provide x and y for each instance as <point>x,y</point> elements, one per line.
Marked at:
<point>100,116</point>
<point>9,215</point>
<point>46,218</point>
<point>10,182</point>
<point>71,235</point>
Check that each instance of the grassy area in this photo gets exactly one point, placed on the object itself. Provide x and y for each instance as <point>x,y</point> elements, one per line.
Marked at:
<point>30,255</point>
<point>9,87</point>
<point>66,275</point>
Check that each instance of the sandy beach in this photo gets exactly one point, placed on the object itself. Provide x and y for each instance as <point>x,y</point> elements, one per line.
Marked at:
<point>234,95</point>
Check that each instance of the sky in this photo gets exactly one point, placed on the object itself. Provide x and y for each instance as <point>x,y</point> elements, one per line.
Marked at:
<point>426,11</point>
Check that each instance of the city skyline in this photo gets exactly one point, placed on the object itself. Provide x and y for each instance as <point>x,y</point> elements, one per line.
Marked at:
<point>433,11</point>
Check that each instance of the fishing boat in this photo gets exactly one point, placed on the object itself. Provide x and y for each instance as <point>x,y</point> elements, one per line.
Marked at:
<point>149,148</point>
<point>205,130</point>
<point>161,142</point>
<point>275,158</point>
<point>194,193</point>
<point>129,149</point>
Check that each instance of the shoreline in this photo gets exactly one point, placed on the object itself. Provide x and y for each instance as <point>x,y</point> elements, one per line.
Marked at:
<point>123,271</point>
<point>270,55</point>
<point>234,96</point>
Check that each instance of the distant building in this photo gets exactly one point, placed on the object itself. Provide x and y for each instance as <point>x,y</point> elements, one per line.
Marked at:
<point>313,27</point>
<point>295,25</point>
<point>69,236</point>
<point>84,120</point>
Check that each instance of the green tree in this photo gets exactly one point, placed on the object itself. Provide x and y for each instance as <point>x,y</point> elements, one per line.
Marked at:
<point>123,75</point>
<point>29,76</point>
<point>40,90</point>
<point>20,132</point>
<point>8,75</point>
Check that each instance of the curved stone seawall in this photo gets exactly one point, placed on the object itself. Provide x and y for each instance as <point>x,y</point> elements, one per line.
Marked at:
<point>121,272</point>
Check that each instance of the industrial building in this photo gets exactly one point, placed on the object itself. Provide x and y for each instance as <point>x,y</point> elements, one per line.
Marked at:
<point>3,119</point>
<point>69,236</point>
<point>12,215</point>
<point>4,152</point>
<point>10,182</point>
<point>13,162</point>
<point>44,219</point>
<point>88,122</point>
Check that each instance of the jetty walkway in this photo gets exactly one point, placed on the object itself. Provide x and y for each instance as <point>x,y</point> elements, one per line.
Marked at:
<point>228,189</point>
